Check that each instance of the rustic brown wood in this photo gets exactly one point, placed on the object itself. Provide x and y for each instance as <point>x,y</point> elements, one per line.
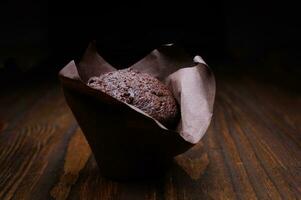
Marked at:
<point>252,149</point>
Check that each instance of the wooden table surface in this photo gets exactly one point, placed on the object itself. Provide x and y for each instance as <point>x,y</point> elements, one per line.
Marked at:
<point>252,149</point>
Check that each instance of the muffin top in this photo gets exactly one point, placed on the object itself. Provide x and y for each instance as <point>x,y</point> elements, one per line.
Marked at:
<point>140,90</point>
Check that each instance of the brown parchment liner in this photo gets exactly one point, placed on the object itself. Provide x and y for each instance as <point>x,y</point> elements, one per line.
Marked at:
<point>126,142</point>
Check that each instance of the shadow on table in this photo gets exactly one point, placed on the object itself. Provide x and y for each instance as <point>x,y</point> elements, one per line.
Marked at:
<point>185,172</point>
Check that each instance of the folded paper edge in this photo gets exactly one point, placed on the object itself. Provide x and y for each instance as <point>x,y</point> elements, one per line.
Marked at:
<point>187,136</point>
<point>92,59</point>
<point>202,63</point>
<point>70,71</point>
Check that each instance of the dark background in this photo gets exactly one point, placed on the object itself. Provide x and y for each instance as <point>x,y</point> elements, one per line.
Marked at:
<point>42,36</point>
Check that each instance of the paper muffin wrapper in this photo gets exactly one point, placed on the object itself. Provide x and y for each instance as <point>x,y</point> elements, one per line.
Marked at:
<point>127,142</point>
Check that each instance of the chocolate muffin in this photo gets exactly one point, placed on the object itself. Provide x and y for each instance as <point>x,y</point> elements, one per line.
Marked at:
<point>140,90</point>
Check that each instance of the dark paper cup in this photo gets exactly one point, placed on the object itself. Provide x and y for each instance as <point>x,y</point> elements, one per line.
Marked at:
<point>126,142</point>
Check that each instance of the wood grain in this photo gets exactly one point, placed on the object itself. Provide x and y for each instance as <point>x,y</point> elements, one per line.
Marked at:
<point>78,153</point>
<point>252,149</point>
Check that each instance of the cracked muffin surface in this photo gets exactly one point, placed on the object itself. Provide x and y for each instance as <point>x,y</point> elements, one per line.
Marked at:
<point>140,90</point>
